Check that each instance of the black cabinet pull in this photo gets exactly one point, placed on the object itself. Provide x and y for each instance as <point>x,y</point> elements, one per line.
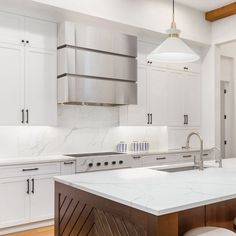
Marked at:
<point>32,169</point>
<point>160,158</point>
<point>22,116</point>
<point>68,162</point>
<point>185,119</point>
<point>136,157</point>
<point>27,116</point>
<point>32,191</point>
<point>187,156</point>
<point>148,116</point>
<point>28,183</point>
<point>151,118</point>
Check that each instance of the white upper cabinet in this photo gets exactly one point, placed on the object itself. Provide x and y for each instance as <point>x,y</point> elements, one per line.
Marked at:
<point>175,99</point>
<point>12,84</point>
<point>40,87</point>
<point>11,28</point>
<point>28,66</point>
<point>137,114</point>
<point>192,99</point>
<point>40,34</point>
<point>158,93</point>
<point>168,94</point>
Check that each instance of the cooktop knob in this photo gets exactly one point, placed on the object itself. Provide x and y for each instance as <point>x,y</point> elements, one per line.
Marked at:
<point>113,163</point>
<point>90,164</point>
<point>98,163</point>
<point>106,163</point>
<point>121,162</point>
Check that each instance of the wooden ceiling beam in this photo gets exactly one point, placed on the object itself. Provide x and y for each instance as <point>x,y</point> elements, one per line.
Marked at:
<point>221,12</point>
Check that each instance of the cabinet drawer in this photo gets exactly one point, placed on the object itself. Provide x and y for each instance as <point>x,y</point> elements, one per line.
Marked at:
<point>67,167</point>
<point>155,160</point>
<point>28,170</point>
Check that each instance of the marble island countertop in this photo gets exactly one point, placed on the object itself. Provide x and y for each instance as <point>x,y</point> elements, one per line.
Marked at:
<point>159,192</point>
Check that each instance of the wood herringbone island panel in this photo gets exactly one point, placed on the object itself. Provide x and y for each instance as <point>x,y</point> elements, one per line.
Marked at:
<point>79,213</point>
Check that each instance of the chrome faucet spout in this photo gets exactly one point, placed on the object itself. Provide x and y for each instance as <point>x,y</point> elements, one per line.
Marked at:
<point>201,164</point>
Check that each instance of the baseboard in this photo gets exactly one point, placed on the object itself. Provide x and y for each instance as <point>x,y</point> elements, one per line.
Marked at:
<point>25,227</point>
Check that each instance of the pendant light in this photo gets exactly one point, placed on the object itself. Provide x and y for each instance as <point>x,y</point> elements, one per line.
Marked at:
<point>173,49</point>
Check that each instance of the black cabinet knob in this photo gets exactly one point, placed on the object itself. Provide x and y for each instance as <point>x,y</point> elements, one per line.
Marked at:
<point>27,41</point>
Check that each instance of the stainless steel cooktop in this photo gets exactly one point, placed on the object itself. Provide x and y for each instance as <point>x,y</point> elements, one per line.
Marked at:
<point>93,154</point>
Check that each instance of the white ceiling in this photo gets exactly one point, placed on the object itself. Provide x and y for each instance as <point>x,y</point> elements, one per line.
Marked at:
<point>205,5</point>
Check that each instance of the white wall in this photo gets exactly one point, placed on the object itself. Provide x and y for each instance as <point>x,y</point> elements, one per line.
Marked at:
<point>224,30</point>
<point>154,15</point>
<point>208,97</point>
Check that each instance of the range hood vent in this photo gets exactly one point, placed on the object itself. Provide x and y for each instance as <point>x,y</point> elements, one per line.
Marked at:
<point>96,66</point>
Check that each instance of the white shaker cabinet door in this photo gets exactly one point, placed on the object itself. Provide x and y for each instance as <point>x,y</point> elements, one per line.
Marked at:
<point>40,87</point>
<point>11,28</point>
<point>175,98</point>
<point>40,34</point>
<point>158,92</point>
<point>12,84</point>
<point>137,114</point>
<point>192,99</point>
<point>14,202</point>
<point>42,198</point>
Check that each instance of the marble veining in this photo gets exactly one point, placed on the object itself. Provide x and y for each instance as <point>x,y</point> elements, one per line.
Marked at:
<point>80,129</point>
<point>159,192</point>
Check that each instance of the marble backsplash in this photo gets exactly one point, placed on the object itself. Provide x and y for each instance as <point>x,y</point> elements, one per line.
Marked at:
<point>80,129</point>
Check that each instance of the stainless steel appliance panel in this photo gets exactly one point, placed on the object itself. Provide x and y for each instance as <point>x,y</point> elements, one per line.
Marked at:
<point>100,39</point>
<point>95,64</point>
<point>81,90</point>
<point>66,61</point>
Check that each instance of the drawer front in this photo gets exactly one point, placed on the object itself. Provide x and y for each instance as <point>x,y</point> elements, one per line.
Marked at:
<point>155,160</point>
<point>67,167</point>
<point>28,170</point>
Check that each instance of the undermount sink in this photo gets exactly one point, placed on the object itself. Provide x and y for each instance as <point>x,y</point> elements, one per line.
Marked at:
<point>177,169</point>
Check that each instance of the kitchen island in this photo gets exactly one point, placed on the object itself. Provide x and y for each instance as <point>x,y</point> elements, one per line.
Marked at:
<point>145,201</point>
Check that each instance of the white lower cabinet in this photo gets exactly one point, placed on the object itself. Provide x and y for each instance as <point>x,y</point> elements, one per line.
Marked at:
<point>42,198</point>
<point>27,193</point>
<point>14,202</point>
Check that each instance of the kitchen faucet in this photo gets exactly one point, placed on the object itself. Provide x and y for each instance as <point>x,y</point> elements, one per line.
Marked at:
<point>201,166</point>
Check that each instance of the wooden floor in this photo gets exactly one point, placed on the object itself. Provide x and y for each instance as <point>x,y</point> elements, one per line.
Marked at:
<point>46,231</point>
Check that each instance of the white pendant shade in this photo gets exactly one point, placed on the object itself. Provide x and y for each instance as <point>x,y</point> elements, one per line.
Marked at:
<point>173,50</point>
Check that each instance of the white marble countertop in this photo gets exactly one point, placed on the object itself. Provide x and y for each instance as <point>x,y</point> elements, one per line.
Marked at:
<point>54,158</point>
<point>169,151</point>
<point>159,192</point>
<point>33,160</point>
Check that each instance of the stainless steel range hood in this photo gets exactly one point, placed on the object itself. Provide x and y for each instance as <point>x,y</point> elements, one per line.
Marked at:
<point>95,66</point>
